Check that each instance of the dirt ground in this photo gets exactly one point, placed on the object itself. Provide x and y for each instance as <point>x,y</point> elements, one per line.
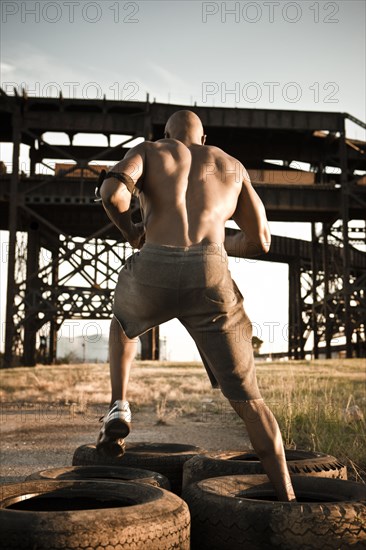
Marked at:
<point>48,411</point>
<point>36,438</point>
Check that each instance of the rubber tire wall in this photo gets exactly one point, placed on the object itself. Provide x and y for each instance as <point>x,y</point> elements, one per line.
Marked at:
<point>149,518</point>
<point>214,464</point>
<point>167,459</point>
<point>116,473</point>
<point>223,517</point>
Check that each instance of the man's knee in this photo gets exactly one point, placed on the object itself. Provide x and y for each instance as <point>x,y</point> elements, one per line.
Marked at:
<point>250,410</point>
<point>247,403</point>
<point>118,336</point>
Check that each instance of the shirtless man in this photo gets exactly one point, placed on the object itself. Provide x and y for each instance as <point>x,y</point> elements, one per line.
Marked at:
<point>188,191</point>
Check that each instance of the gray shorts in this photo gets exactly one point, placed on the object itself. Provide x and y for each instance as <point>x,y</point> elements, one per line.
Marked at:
<point>194,285</point>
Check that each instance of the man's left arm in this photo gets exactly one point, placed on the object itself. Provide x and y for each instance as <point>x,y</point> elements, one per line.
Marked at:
<point>116,193</point>
<point>254,238</point>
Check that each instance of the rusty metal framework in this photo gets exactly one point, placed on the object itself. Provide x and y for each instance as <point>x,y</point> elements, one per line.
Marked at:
<point>318,310</point>
<point>65,278</point>
<point>64,255</point>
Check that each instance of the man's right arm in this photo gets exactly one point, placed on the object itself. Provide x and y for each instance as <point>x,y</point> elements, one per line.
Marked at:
<point>116,195</point>
<point>254,238</point>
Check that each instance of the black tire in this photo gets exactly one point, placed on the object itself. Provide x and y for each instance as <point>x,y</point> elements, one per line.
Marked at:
<point>76,515</point>
<point>166,458</point>
<point>214,464</point>
<point>233,512</point>
<point>115,473</point>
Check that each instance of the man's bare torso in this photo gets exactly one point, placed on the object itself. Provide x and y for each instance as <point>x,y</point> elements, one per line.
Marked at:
<point>188,193</point>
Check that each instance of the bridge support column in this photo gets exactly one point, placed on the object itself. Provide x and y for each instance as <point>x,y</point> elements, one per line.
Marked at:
<point>295,334</point>
<point>52,349</point>
<point>13,214</point>
<point>326,305</point>
<point>345,185</point>
<point>314,269</point>
<point>31,301</point>
<point>150,345</point>
<point>32,160</point>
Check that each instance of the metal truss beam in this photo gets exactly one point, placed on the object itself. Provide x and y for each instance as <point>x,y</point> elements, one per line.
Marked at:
<point>283,202</point>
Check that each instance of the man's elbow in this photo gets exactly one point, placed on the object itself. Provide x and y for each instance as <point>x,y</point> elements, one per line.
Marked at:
<point>259,248</point>
<point>265,246</point>
<point>262,240</point>
<point>266,242</point>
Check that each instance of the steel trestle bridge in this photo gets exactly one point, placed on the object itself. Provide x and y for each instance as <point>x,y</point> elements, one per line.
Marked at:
<point>64,255</point>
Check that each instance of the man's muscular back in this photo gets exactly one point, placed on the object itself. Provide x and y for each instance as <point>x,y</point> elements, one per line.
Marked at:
<point>187,193</point>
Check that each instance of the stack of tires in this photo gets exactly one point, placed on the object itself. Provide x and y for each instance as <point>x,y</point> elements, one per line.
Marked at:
<point>101,502</point>
<point>89,514</point>
<point>233,505</point>
<point>167,459</point>
<point>227,503</point>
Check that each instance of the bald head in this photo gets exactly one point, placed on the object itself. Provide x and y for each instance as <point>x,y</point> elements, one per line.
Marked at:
<point>185,126</point>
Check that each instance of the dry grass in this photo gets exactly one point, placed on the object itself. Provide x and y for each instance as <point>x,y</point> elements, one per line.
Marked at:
<point>312,400</point>
<point>313,406</point>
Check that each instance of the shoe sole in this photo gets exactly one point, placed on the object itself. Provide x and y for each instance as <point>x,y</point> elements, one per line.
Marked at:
<point>117,429</point>
<point>114,431</point>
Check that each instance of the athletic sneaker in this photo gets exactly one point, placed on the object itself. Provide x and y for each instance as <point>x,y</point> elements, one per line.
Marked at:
<point>116,425</point>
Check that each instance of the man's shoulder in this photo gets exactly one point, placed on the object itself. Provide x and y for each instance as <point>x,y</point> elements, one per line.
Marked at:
<point>220,155</point>
<point>214,151</point>
<point>162,143</point>
<point>167,142</point>
<point>140,148</point>
<point>145,146</point>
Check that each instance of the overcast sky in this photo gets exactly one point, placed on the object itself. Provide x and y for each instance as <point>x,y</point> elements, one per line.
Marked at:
<point>283,55</point>
<point>173,49</point>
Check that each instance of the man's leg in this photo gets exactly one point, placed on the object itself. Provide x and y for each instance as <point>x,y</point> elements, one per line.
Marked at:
<point>265,436</point>
<point>116,423</point>
<point>122,351</point>
<point>215,317</point>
